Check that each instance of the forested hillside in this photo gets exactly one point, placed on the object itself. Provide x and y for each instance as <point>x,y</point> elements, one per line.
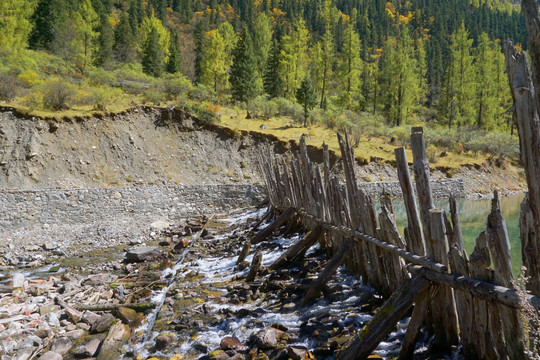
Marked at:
<point>322,60</point>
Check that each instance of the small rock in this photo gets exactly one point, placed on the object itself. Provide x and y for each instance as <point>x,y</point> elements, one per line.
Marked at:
<point>127,315</point>
<point>298,353</point>
<point>268,338</point>
<point>46,309</point>
<point>165,242</point>
<point>49,246</point>
<point>88,350</point>
<point>163,341</point>
<point>102,323</point>
<point>89,317</point>
<point>159,225</point>
<point>51,355</point>
<point>74,334</point>
<point>18,281</point>
<point>32,248</point>
<point>116,195</point>
<point>232,343</point>
<point>61,345</point>
<point>143,253</point>
<point>73,314</point>
<point>52,319</point>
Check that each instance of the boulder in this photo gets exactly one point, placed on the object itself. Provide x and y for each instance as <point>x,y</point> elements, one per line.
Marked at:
<point>232,343</point>
<point>268,338</point>
<point>143,253</point>
<point>160,225</point>
<point>88,350</point>
<point>61,345</point>
<point>127,315</point>
<point>51,355</point>
<point>102,323</point>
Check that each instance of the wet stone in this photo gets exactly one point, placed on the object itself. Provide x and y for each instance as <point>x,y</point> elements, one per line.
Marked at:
<point>102,323</point>
<point>127,315</point>
<point>232,343</point>
<point>268,338</point>
<point>163,341</point>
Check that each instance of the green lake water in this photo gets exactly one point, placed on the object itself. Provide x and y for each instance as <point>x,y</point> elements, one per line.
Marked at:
<point>473,215</point>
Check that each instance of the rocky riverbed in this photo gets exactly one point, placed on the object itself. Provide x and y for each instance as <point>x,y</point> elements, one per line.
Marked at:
<point>180,294</point>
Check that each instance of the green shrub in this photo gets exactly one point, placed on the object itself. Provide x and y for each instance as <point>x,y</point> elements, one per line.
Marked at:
<point>202,93</point>
<point>261,107</point>
<point>156,97</point>
<point>205,115</point>
<point>289,108</point>
<point>58,94</point>
<point>99,76</point>
<point>9,85</point>
<point>98,97</point>
<point>176,85</point>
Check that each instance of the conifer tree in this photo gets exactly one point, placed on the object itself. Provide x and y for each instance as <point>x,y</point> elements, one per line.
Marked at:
<point>324,56</point>
<point>350,65</point>
<point>293,61</point>
<point>273,84</point>
<point>305,95</point>
<point>89,22</point>
<point>198,34</point>
<point>153,57</point>
<point>400,78</point>
<point>174,64</point>
<point>15,25</point>
<point>215,63</point>
<point>244,70</point>
<point>262,42</point>
<point>105,42</point>
<point>486,83</point>
<point>48,15</point>
<point>123,41</point>
<point>150,24</point>
<point>459,91</point>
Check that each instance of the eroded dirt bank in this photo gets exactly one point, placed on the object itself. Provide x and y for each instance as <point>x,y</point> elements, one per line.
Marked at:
<point>156,146</point>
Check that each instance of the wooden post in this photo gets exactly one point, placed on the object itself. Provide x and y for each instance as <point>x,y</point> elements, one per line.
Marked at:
<point>524,86</point>
<point>415,324</point>
<point>443,307</point>
<point>499,246</point>
<point>423,180</point>
<point>255,266</point>
<point>263,234</point>
<point>384,322</point>
<point>415,243</point>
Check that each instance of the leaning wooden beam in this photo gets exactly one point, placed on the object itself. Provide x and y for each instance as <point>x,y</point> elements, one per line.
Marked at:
<point>287,214</point>
<point>415,324</point>
<point>416,243</point>
<point>410,257</point>
<point>480,289</point>
<point>384,322</point>
<point>297,249</point>
<point>139,307</point>
<point>328,271</point>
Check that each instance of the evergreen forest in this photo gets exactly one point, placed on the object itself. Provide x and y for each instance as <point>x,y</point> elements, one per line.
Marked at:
<point>329,61</point>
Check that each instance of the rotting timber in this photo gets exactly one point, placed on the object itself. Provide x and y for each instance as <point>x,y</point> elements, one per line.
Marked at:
<point>464,301</point>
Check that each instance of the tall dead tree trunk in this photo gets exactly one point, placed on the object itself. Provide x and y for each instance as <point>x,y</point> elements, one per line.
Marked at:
<point>525,83</point>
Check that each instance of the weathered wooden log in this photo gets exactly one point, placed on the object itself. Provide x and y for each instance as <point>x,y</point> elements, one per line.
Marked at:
<point>499,245</point>
<point>245,252</point>
<point>414,231</point>
<point>254,268</point>
<point>384,322</point>
<point>523,84</point>
<point>297,250</point>
<point>415,324</point>
<point>457,237</point>
<point>422,178</point>
<point>412,258</point>
<point>263,234</point>
<point>139,307</point>
<point>328,271</point>
<point>443,306</point>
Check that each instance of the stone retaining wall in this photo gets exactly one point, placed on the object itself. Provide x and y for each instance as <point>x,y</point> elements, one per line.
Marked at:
<point>79,206</point>
<point>76,206</point>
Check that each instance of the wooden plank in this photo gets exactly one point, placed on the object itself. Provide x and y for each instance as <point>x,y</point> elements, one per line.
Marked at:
<point>457,237</point>
<point>255,266</point>
<point>415,242</point>
<point>384,322</point>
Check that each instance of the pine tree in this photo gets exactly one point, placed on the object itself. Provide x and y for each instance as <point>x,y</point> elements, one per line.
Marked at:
<point>273,84</point>
<point>105,42</point>
<point>47,17</point>
<point>400,78</point>
<point>198,33</point>
<point>262,42</point>
<point>89,22</point>
<point>123,41</point>
<point>486,83</point>
<point>214,62</point>
<point>244,70</point>
<point>174,64</point>
<point>153,57</point>
<point>150,24</point>
<point>350,65</point>
<point>324,56</point>
<point>305,95</point>
<point>15,25</point>
<point>459,91</point>
<point>293,61</point>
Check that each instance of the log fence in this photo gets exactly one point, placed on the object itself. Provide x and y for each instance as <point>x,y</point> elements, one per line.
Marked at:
<point>471,302</point>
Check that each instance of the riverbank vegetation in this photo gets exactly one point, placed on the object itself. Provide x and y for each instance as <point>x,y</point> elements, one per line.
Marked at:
<point>374,67</point>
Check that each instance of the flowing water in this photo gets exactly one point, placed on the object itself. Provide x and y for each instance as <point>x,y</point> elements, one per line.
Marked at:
<point>473,215</point>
